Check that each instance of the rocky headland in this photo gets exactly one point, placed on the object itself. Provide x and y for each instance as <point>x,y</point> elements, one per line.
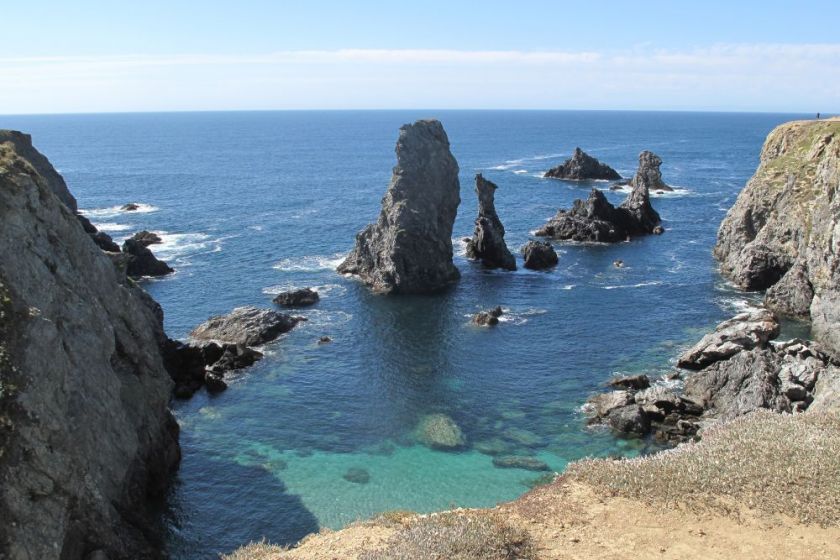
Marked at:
<point>583,167</point>
<point>409,249</point>
<point>86,435</point>
<point>488,242</point>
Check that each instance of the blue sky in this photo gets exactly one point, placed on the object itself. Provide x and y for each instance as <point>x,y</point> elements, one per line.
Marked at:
<point>90,56</point>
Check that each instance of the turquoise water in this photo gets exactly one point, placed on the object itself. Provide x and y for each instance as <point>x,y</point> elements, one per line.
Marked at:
<point>252,203</point>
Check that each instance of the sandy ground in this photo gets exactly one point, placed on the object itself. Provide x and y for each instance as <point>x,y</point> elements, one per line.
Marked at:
<point>571,521</point>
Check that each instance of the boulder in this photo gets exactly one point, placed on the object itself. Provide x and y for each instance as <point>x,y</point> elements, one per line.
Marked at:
<point>143,262</point>
<point>751,329</point>
<point>648,174</point>
<point>636,382</point>
<point>488,318</point>
<point>297,298</point>
<point>630,419</point>
<point>539,255</point>
<point>246,326</point>
<point>439,431</point>
<point>235,356</point>
<point>488,242</point>
<point>582,167</point>
<point>146,238</point>
<point>602,404</point>
<point>782,228</point>
<point>519,462</point>
<point>409,248</point>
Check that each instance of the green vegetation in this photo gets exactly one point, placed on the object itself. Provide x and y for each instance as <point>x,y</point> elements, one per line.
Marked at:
<point>777,463</point>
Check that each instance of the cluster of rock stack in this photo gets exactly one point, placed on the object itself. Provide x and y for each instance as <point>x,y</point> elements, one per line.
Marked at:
<point>583,167</point>
<point>737,369</point>
<point>409,248</point>
<point>595,219</point>
<point>781,233</point>
<point>86,434</point>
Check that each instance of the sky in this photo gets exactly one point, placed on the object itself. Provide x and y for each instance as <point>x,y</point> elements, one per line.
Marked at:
<point>154,55</point>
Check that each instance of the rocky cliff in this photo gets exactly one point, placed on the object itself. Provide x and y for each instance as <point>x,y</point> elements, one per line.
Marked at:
<point>783,233</point>
<point>86,438</point>
<point>488,242</point>
<point>409,248</point>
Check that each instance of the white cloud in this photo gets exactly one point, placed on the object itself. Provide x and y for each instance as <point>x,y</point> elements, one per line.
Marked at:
<point>736,77</point>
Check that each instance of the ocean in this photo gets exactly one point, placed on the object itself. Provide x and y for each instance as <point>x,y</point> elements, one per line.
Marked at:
<point>253,203</point>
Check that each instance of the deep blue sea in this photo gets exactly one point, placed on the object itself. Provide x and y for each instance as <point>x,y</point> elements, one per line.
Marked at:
<point>253,203</point>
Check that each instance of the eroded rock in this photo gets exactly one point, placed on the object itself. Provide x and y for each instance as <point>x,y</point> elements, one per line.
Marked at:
<point>488,242</point>
<point>582,167</point>
<point>246,326</point>
<point>539,255</point>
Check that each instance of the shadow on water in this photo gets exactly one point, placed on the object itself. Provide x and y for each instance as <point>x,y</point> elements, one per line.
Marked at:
<point>206,531</point>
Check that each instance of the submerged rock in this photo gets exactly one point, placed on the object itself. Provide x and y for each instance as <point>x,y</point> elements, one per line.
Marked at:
<point>246,326</point>
<point>539,255</point>
<point>519,462</point>
<point>648,174</point>
<point>356,475</point>
<point>130,207</point>
<point>439,431</point>
<point>752,329</point>
<point>297,298</point>
<point>142,261</point>
<point>409,248</point>
<point>488,318</point>
<point>784,222</point>
<point>488,242</point>
<point>582,167</point>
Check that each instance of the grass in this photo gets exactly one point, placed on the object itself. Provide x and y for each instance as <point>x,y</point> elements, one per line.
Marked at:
<point>776,463</point>
<point>456,536</point>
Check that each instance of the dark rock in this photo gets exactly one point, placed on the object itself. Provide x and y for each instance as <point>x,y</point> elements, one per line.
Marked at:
<point>519,462</point>
<point>488,242</point>
<point>648,174</point>
<point>297,298</point>
<point>235,356</point>
<point>618,264</point>
<point>146,238</point>
<point>143,262</point>
<point>488,318</point>
<point>792,295</point>
<point>752,329</point>
<point>22,145</point>
<point>130,207</point>
<point>409,249</point>
<point>658,230</point>
<point>214,382</point>
<point>582,167</point>
<point>356,475</point>
<point>635,382</point>
<point>104,242</point>
<point>539,255</point>
<point>597,220</point>
<point>324,340</point>
<point>630,419</point>
<point>248,326</point>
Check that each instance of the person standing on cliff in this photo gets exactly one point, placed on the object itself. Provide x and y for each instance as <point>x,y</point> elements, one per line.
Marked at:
<point>818,116</point>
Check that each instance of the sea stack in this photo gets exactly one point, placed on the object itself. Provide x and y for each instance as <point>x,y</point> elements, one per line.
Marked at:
<point>409,249</point>
<point>582,167</point>
<point>781,234</point>
<point>648,173</point>
<point>595,219</point>
<point>87,442</point>
<point>488,242</point>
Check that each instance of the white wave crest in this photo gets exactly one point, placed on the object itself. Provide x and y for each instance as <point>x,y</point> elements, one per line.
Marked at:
<point>114,211</point>
<point>108,227</point>
<point>639,285</point>
<point>311,263</point>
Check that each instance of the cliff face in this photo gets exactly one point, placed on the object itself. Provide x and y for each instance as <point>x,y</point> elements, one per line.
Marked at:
<point>783,233</point>
<point>86,437</point>
<point>409,248</point>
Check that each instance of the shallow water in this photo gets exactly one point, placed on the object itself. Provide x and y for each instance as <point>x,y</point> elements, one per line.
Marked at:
<point>253,203</point>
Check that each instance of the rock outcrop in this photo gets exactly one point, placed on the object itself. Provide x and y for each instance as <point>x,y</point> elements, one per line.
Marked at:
<point>539,255</point>
<point>740,371</point>
<point>488,242</point>
<point>102,239</point>
<point>582,167</point>
<point>86,437</point>
<point>648,173</point>
<point>146,238</point>
<point>595,219</point>
<point>409,248</point>
<point>488,318</point>
<point>141,261</point>
<point>782,232</point>
<point>439,431</point>
<point>248,326</point>
<point>297,298</point>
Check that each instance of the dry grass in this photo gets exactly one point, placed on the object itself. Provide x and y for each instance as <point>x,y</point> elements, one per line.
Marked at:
<point>456,536</point>
<point>257,551</point>
<point>787,464</point>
